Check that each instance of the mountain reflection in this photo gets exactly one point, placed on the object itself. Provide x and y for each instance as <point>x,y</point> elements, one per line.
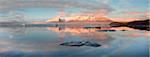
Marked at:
<point>90,34</point>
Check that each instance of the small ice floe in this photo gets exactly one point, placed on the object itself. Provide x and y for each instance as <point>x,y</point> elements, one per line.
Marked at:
<point>81,43</point>
<point>106,30</point>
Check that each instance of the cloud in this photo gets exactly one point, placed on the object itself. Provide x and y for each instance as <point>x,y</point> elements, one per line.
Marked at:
<point>9,5</point>
<point>88,7</point>
<point>13,16</point>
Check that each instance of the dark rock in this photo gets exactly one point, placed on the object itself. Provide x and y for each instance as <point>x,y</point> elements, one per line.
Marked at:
<point>81,43</point>
<point>93,44</point>
<point>72,44</point>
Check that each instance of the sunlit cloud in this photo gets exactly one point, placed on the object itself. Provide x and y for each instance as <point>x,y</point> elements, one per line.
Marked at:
<point>129,16</point>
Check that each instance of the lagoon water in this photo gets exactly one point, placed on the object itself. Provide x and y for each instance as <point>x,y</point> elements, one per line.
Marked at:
<point>45,42</point>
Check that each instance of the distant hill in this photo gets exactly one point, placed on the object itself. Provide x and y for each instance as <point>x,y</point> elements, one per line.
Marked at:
<point>140,24</point>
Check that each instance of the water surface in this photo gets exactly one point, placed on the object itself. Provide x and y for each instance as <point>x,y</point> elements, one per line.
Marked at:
<point>45,42</point>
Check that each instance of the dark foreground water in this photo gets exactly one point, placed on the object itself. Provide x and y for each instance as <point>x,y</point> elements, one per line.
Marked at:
<point>45,42</point>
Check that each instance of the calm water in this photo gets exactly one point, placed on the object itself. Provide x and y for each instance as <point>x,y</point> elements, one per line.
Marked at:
<point>45,42</point>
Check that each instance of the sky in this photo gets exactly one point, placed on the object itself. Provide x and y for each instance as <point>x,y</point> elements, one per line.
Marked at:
<point>42,10</point>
